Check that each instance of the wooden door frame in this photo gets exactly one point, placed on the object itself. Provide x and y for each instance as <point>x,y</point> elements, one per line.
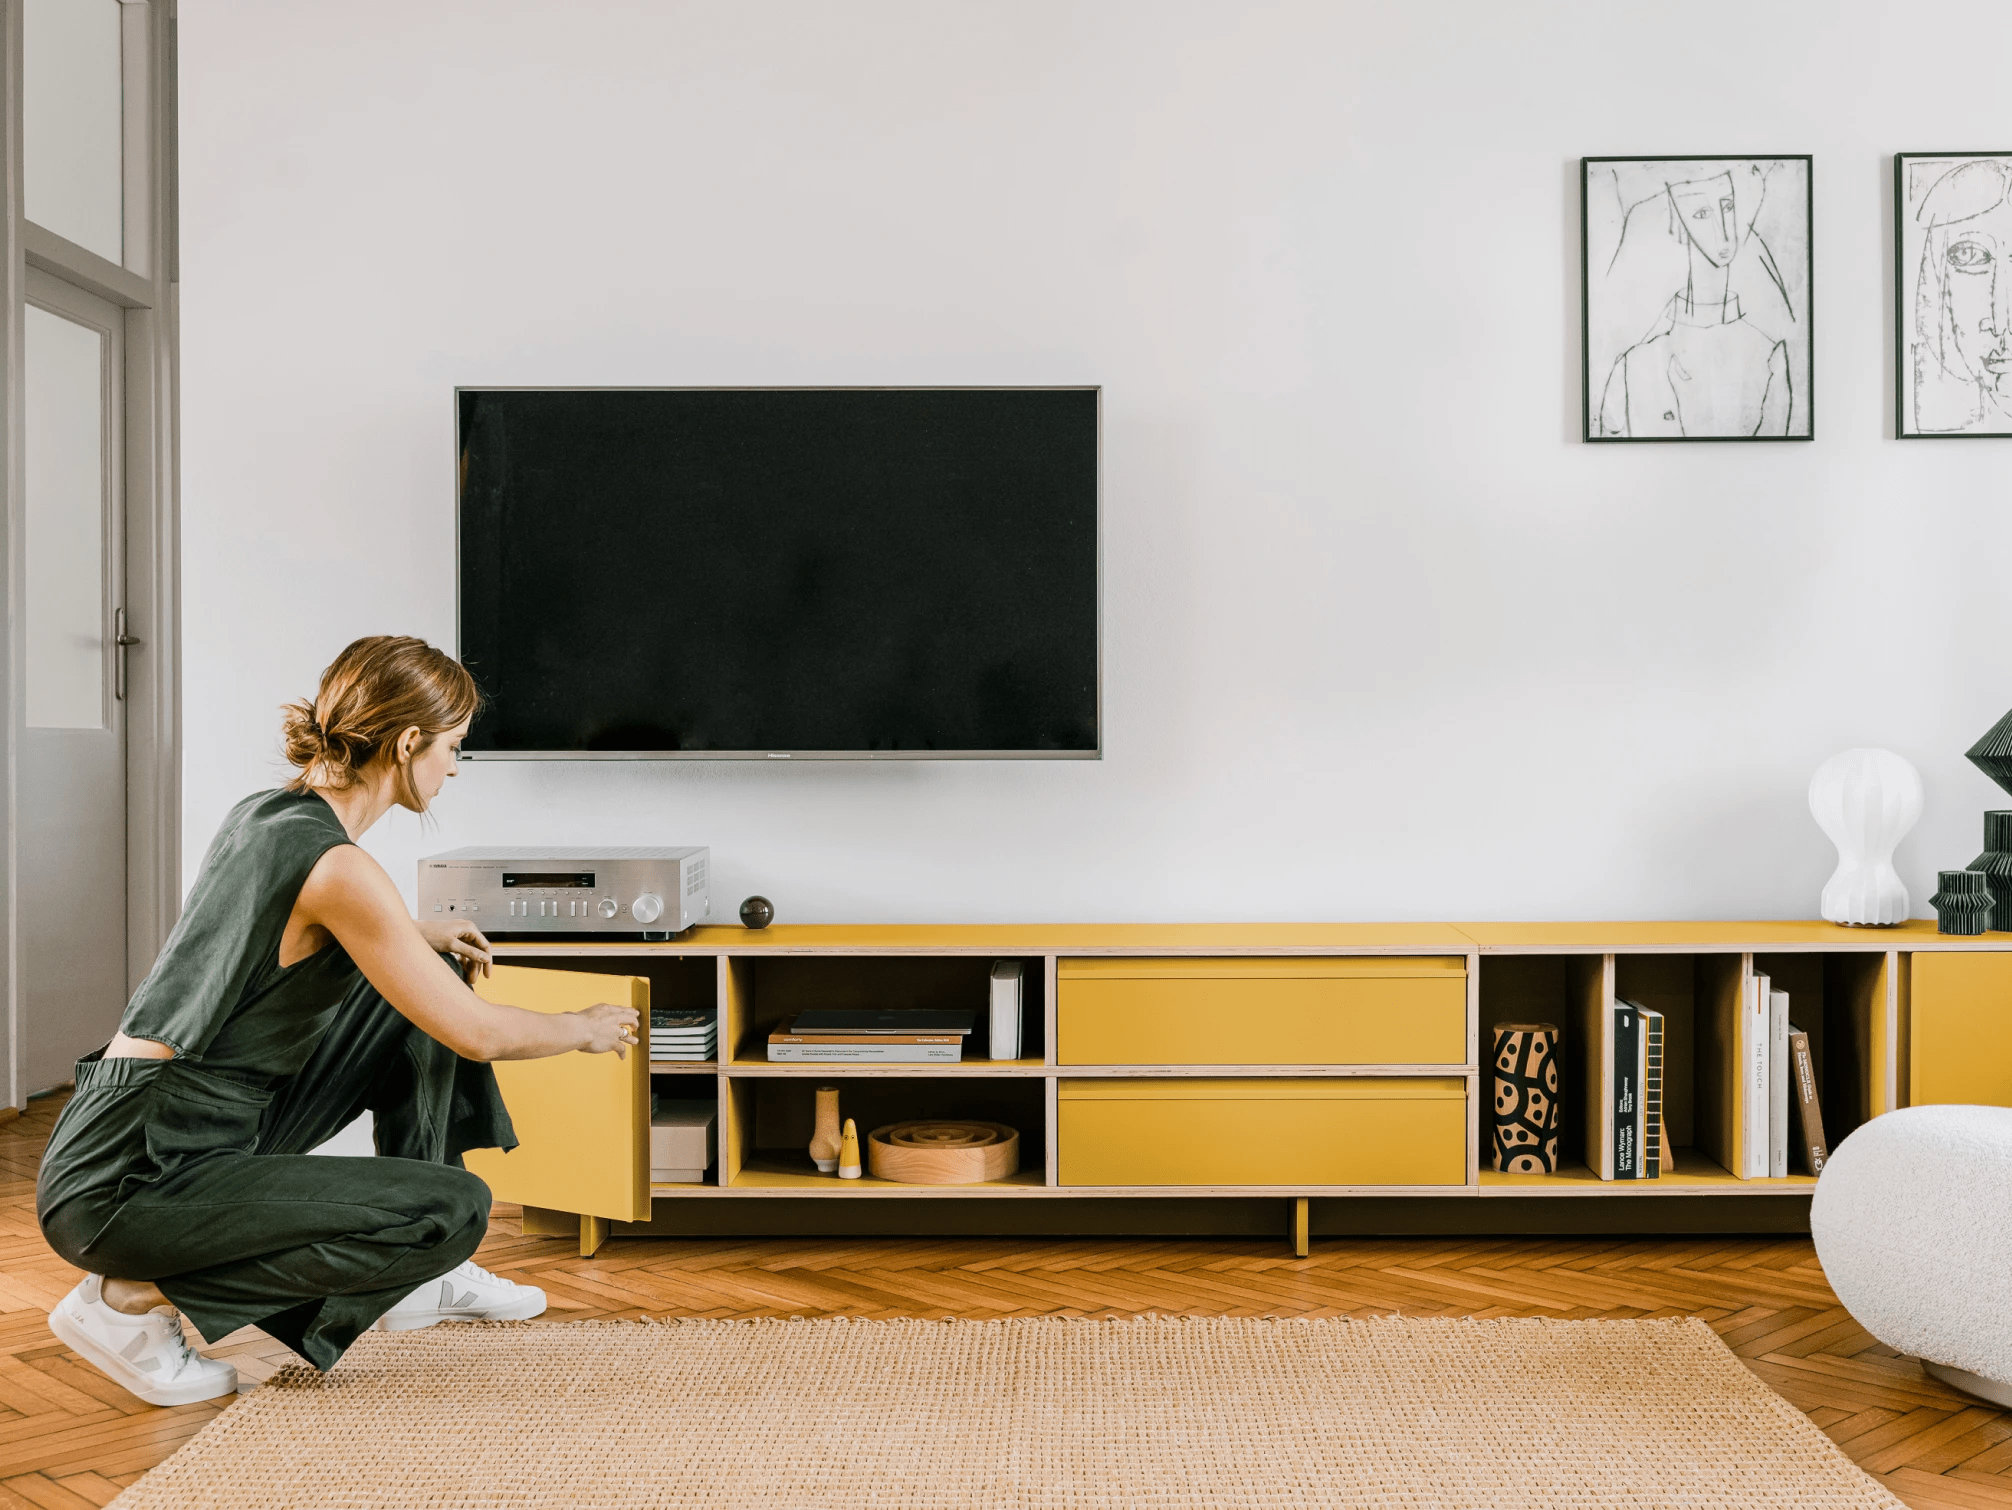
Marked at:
<point>146,287</point>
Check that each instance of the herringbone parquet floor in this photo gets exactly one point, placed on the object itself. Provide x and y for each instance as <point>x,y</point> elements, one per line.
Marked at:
<point>69,1439</point>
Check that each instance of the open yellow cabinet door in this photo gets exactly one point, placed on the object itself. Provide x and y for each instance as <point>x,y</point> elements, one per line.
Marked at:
<point>583,1120</point>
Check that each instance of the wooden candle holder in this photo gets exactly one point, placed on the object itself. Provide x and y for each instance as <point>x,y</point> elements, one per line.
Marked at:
<point>943,1153</point>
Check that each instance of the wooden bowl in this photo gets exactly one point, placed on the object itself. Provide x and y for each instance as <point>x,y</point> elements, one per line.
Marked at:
<point>942,1153</point>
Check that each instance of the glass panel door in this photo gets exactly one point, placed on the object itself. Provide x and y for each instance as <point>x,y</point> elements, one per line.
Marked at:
<point>73,123</point>
<point>71,807</point>
<point>68,458</point>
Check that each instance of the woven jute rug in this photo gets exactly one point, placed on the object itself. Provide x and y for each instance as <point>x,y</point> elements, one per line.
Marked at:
<point>1141,1414</point>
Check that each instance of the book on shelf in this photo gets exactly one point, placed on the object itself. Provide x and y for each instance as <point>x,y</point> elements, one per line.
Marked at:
<point>1653,1136</point>
<point>866,1053</point>
<point>897,1020</point>
<point>1813,1151</point>
<point>1005,1006</point>
<point>788,1037</point>
<point>1777,1084</point>
<point>1627,1092</point>
<point>682,1019</point>
<point>1637,1148</point>
<point>1756,1001</point>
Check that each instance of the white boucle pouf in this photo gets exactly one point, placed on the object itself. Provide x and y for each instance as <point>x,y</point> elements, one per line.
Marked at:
<point>1912,1220</point>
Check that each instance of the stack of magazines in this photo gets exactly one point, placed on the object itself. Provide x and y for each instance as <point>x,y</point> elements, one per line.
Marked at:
<point>835,1035</point>
<point>683,1033</point>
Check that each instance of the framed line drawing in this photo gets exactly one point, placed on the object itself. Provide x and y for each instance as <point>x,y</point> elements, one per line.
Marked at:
<point>1952,294</point>
<point>1696,282</point>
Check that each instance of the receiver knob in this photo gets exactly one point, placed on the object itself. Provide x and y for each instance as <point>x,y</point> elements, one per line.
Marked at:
<point>647,908</point>
<point>609,907</point>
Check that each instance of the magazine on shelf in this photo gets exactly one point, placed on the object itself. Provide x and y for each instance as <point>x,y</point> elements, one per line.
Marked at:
<point>1812,1151</point>
<point>1777,1085</point>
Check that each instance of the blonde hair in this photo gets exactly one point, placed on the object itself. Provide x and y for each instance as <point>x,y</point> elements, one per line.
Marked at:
<point>379,687</point>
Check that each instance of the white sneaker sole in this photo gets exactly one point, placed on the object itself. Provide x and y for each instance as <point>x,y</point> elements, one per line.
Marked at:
<point>134,1381</point>
<point>412,1321</point>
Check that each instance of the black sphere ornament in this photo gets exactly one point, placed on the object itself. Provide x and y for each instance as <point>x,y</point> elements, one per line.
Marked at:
<point>757,912</point>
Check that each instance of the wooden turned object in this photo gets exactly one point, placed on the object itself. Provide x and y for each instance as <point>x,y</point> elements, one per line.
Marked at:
<point>825,1139</point>
<point>943,1153</point>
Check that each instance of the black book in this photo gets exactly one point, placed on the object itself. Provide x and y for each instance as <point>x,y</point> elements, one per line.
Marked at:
<point>897,1020</point>
<point>1627,1092</point>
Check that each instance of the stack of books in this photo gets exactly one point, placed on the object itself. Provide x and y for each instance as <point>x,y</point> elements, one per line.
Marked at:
<point>683,1033</point>
<point>836,1035</point>
<point>1780,1110</point>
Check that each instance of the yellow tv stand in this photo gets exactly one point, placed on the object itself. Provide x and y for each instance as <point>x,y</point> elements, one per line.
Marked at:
<point>1298,1061</point>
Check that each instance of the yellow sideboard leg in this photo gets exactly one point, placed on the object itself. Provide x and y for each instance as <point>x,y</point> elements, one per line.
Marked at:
<point>538,1222</point>
<point>593,1233</point>
<point>1299,1225</point>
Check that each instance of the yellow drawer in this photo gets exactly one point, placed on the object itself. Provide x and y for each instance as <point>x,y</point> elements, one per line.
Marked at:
<point>1262,1011</point>
<point>1961,1044</point>
<point>1396,1131</point>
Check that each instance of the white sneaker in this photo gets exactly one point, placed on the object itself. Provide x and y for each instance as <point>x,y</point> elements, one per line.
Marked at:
<point>469,1293</point>
<point>147,1355</point>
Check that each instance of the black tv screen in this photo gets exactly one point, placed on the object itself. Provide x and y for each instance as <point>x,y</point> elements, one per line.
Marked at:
<point>764,572</point>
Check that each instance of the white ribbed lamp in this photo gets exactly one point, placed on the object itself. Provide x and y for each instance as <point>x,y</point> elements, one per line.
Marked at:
<point>1866,801</point>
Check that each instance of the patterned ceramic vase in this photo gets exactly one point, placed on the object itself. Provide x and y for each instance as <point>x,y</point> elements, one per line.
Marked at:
<point>1526,1098</point>
<point>1996,865</point>
<point>1963,902</point>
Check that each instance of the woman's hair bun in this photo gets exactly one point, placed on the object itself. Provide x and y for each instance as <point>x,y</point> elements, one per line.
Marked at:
<point>379,687</point>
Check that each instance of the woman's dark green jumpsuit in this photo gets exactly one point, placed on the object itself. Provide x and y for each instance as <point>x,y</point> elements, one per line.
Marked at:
<point>194,1173</point>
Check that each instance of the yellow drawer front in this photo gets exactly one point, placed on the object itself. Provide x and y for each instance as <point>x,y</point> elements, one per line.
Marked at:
<point>1281,1132</point>
<point>1263,1011</point>
<point>1961,1047</point>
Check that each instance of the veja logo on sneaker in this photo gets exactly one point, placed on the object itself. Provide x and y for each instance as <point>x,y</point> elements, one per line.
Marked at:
<point>449,1303</point>
<point>132,1350</point>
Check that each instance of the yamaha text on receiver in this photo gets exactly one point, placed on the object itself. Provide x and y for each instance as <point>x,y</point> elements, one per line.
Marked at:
<point>654,892</point>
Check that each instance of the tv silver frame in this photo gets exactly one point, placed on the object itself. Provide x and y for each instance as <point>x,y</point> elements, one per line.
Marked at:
<point>1092,754</point>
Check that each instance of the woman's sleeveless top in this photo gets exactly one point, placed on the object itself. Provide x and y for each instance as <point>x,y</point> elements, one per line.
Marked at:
<point>218,995</point>
<point>237,1020</point>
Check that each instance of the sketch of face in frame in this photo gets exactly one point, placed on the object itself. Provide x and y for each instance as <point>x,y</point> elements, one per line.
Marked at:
<point>1962,367</point>
<point>1708,212</point>
<point>1714,362</point>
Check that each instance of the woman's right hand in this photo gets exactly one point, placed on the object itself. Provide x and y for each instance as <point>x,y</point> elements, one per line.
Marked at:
<point>608,1027</point>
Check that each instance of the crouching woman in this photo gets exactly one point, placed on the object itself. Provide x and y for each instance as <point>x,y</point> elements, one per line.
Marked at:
<point>294,995</point>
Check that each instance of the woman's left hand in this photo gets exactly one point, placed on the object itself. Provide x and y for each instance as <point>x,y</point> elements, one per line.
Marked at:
<point>462,940</point>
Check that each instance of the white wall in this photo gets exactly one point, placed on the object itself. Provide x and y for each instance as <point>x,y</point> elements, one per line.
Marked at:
<point>1383,639</point>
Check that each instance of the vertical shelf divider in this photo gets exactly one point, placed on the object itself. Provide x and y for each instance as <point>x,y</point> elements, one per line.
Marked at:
<point>1476,1068</point>
<point>1591,979</point>
<point>1721,985</point>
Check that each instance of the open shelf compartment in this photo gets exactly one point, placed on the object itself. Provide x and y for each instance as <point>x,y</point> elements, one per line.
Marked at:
<point>759,995</point>
<point>1832,996</point>
<point>768,1120</point>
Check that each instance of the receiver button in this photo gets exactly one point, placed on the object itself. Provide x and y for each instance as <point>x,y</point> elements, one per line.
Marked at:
<point>647,908</point>
<point>609,907</point>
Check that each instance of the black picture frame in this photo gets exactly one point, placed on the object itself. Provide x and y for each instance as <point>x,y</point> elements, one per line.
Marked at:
<point>1933,371</point>
<point>1766,391</point>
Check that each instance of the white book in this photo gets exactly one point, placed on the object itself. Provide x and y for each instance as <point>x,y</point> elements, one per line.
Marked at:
<point>1777,1084</point>
<point>1755,1074</point>
<point>1006,1009</point>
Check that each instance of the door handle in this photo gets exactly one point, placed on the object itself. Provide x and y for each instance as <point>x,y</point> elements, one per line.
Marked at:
<point>122,642</point>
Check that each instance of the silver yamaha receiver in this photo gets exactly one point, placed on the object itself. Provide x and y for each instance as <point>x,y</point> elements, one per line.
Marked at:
<point>654,892</point>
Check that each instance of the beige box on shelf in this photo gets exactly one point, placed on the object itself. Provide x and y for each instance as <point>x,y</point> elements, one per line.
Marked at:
<point>681,1140</point>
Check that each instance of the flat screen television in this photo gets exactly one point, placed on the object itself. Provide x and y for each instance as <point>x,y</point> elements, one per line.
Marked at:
<point>780,573</point>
